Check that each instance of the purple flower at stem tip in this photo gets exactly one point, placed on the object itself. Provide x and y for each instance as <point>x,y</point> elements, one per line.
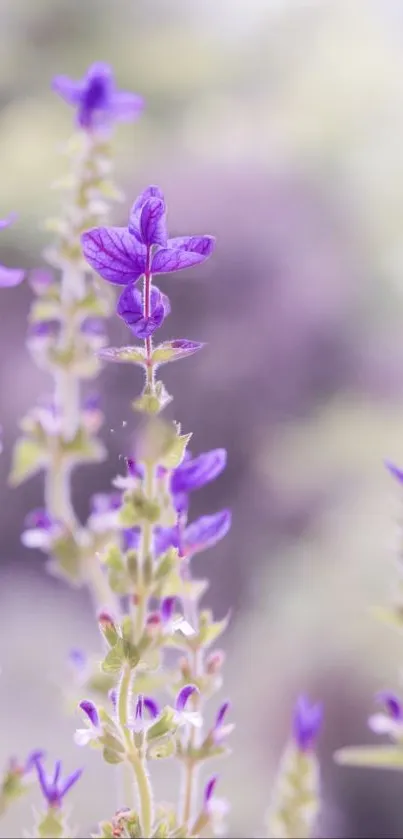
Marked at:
<point>96,99</point>
<point>53,788</point>
<point>122,255</point>
<point>306,723</point>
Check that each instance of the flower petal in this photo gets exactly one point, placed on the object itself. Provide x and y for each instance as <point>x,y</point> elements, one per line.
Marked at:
<point>184,695</point>
<point>125,106</point>
<point>70,781</point>
<point>203,245</point>
<point>91,711</point>
<point>152,222</point>
<point>69,89</point>
<point>114,253</point>
<point>8,221</point>
<point>206,531</point>
<point>195,473</point>
<point>10,277</point>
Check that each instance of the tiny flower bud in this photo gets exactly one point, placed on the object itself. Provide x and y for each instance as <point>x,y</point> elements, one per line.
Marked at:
<point>108,628</point>
<point>214,662</point>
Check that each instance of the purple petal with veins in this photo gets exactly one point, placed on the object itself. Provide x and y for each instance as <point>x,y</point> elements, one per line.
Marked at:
<point>114,253</point>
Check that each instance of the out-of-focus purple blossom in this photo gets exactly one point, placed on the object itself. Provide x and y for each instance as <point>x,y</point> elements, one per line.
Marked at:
<point>195,473</point>
<point>122,255</point>
<point>40,530</point>
<point>183,715</point>
<point>131,309</point>
<point>217,809</point>
<point>134,473</point>
<point>52,786</point>
<point>131,538</point>
<point>221,730</point>
<point>205,532</point>
<point>99,105</point>
<point>144,704</point>
<point>79,665</point>
<point>23,769</point>
<point>165,538</point>
<point>391,720</point>
<point>104,511</point>
<point>10,277</point>
<point>395,471</point>
<point>92,413</point>
<point>113,696</point>
<point>307,722</point>
<point>93,730</point>
<point>40,280</point>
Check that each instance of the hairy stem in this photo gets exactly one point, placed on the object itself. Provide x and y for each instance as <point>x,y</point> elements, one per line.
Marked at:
<point>136,761</point>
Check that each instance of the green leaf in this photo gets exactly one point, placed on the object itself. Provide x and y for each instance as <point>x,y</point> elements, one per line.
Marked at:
<point>176,452</point>
<point>209,633</point>
<point>51,826</point>
<point>113,558</point>
<point>28,458</point>
<point>113,661</point>
<point>84,447</point>
<point>123,355</point>
<point>376,757</point>
<point>166,564</point>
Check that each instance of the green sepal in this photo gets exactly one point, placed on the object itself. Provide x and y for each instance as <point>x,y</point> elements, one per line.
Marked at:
<point>164,748</point>
<point>132,564</point>
<point>66,560</point>
<point>161,442</point>
<point>112,743</point>
<point>123,355</point>
<point>106,831</point>
<point>376,757</point>
<point>161,831</point>
<point>167,351</point>
<point>83,447</point>
<point>45,308</point>
<point>166,564</point>
<point>209,630</point>
<point>113,558</point>
<point>110,756</point>
<point>52,825</point>
<point>137,508</point>
<point>176,452</point>
<point>131,654</point>
<point>165,724</point>
<point>127,628</point>
<point>118,582</point>
<point>29,457</point>
<point>114,659</point>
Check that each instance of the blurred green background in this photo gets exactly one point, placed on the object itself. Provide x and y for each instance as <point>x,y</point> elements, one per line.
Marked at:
<point>276,125</point>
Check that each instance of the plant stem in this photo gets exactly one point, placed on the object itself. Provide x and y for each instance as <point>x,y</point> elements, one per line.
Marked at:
<point>134,758</point>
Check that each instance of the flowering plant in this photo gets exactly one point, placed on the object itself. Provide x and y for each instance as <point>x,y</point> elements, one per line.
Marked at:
<point>136,550</point>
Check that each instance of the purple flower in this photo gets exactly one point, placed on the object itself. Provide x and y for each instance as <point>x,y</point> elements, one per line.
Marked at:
<point>122,255</point>
<point>40,280</point>
<point>131,538</point>
<point>98,102</point>
<point>205,532</point>
<point>391,720</point>
<point>104,514</point>
<point>130,309</point>
<point>306,723</point>
<point>53,788</point>
<point>40,530</point>
<point>10,277</point>
<point>165,538</point>
<point>184,695</point>
<point>144,704</point>
<point>221,729</point>
<point>183,715</point>
<point>193,474</point>
<point>394,471</point>
<point>209,790</point>
<point>216,808</point>
<point>172,622</point>
<point>93,730</point>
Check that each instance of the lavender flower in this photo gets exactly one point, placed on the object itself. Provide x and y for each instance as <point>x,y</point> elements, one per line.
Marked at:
<point>122,255</point>
<point>53,788</point>
<point>10,277</point>
<point>144,704</point>
<point>195,473</point>
<point>221,730</point>
<point>391,720</point>
<point>205,532</point>
<point>93,730</point>
<point>96,99</point>
<point>40,530</point>
<point>306,724</point>
<point>183,715</point>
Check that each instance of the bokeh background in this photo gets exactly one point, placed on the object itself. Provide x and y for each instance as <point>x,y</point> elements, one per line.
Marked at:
<point>276,125</point>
